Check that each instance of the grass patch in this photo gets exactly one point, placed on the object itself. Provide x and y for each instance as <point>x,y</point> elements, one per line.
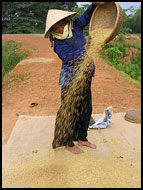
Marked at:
<point>11,57</point>
<point>121,73</point>
<point>14,79</point>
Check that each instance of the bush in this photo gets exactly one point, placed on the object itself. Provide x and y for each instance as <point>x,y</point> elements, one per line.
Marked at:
<point>114,53</point>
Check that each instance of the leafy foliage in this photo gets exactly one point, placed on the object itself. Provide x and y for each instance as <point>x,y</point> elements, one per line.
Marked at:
<point>28,17</point>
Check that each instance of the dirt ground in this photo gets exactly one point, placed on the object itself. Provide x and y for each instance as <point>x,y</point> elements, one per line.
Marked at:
<point>42,68</point>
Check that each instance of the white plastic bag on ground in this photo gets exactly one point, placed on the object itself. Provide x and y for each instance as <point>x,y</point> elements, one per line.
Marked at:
<point>103,122</point>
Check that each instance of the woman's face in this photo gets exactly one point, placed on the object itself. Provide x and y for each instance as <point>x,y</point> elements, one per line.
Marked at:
<point>59,26</point>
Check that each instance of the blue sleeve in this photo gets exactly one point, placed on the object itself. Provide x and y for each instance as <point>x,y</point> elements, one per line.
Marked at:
<point>84,19</point>
<point>67,54</point>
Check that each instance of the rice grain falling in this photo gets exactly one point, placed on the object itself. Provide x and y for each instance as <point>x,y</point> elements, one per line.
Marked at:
<point>69,112</point>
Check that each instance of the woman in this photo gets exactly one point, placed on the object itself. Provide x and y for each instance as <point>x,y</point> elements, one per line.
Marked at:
<point>69,44</point>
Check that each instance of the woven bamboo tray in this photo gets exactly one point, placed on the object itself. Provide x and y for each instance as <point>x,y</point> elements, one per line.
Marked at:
<point>108,15</point>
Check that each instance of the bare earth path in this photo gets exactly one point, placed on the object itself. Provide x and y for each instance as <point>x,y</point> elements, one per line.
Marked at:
<point>43,68</point>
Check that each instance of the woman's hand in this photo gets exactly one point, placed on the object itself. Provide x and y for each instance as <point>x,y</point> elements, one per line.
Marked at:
<point>99,3</point>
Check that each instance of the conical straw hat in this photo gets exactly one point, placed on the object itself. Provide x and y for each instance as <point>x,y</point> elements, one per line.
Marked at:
<point>55,15</point>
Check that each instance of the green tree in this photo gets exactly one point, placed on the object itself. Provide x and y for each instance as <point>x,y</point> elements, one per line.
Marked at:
<point>136,22</point>
<point>131,22</point>
<point>29,17</point>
